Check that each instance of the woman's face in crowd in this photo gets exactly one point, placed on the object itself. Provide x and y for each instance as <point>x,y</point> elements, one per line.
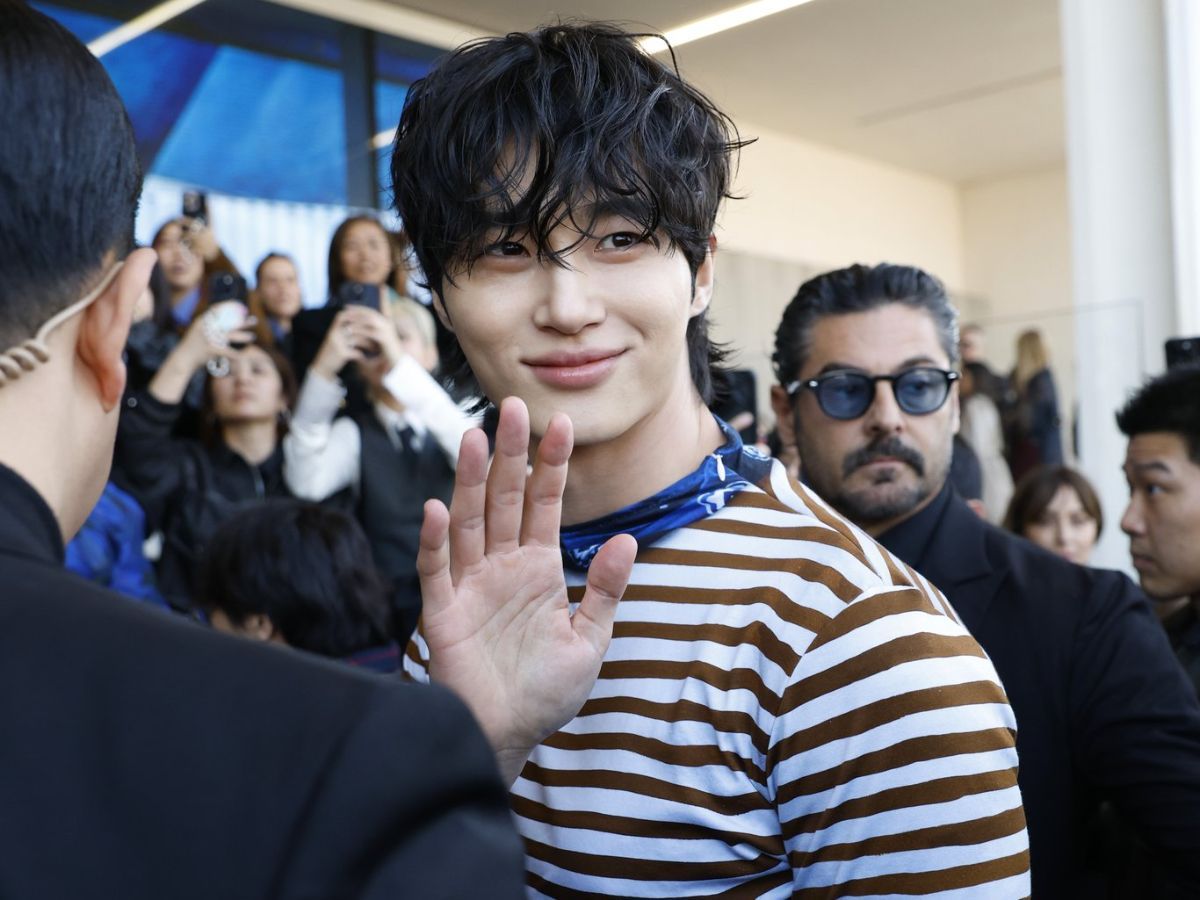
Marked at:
<point>279,288</point>
<point>366,254</point>
<point>182,267</point>
<point>251,392</point>
<point>1065,527</point>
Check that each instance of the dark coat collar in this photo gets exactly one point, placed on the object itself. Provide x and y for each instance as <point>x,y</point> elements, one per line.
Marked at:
<point>27,526</point>
<point>947,542</point>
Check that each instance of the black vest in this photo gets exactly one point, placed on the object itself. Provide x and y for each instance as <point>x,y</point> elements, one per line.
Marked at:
<point>394,485</point>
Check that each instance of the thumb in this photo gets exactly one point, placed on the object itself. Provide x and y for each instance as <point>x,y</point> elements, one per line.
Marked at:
<point>608,576</point>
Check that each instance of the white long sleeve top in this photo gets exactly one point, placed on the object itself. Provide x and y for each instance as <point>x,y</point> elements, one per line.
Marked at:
<point>322,454</point>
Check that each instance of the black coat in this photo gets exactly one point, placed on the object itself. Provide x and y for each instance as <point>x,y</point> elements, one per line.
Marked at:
<point>146,758</point>
<point>187,489</point>
<point>1103,709</point>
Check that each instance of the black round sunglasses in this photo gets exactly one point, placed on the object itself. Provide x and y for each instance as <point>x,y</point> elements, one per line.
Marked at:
<point>848,395</point>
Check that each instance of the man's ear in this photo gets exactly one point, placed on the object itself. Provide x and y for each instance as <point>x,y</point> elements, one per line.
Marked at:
<point>104,326</point>
<point>705,279</point>
<point>781,404</point>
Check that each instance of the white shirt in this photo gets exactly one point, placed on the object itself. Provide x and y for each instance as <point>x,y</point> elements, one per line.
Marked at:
<point>322,455</point>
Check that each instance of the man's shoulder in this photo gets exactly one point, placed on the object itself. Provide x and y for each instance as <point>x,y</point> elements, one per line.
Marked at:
<point>779,534</point>
<point>109,648</point>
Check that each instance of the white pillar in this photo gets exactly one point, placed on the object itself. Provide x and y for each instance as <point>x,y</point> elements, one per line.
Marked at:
<point>1114,80</point>
<point>1182,20</point>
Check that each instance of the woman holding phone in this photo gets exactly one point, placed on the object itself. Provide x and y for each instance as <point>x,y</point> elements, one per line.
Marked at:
<point>187,486</point>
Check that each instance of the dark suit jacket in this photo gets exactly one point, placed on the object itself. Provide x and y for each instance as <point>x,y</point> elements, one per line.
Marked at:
<point>146,757</point>
<point>1103,710</point>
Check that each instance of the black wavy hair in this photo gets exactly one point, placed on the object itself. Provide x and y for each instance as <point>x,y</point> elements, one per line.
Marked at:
<point>1170,403</point>
<point>562,125</point>
<point>69,172</point>
<point>859,288</point>
<point>308,568</point>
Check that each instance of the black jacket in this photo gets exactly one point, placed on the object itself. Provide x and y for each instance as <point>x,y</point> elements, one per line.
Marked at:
<point>187,489</point>
<point>145,757</point>
<point>1103,709</point>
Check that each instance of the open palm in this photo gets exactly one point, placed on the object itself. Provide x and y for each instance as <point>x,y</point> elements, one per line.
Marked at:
<point>495,612</point>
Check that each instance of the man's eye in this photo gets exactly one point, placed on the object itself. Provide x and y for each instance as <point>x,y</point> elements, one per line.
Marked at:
<point>621,240</point>
<point>505,248</point>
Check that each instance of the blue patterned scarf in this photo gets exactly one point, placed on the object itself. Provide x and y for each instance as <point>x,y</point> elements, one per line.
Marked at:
<point>730,468</point>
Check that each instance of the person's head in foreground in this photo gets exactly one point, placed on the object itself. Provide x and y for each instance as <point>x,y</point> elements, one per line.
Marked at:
<point>62,393</point>
<point>298,574</point>
<point>560,189</point>
<point>866,358</point>
<point>1057,508</point>
<point>1162,466</point>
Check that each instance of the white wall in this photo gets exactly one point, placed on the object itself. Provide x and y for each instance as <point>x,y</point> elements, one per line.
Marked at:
<point>1017,270</point>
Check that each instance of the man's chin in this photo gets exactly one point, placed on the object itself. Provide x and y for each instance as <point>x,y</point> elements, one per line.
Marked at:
<point>880,503</point>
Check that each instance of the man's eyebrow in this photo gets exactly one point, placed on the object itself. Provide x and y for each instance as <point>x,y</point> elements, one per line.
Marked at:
<point>909,363</point>
<point>1144,467</point>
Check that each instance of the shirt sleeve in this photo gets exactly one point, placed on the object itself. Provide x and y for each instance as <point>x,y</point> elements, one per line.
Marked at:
<point>422,396</point>
<point>321,455</point>
<point>893,761</point>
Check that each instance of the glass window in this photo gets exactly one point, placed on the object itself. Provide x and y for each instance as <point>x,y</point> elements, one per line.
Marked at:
<point>252,121</point>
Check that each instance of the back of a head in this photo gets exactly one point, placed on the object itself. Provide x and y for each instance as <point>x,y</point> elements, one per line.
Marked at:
<point>308,568</point>
<point>517,135</point>
<point>1168,403</point>
<point>858,289</point>
<point>69,173</point>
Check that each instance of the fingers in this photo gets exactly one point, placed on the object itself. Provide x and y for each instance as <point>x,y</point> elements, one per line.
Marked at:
<point>608,576</point>
<point>467,506</point>
<point>433,557</point>
<point>543,496</point>
<point>506,481</point>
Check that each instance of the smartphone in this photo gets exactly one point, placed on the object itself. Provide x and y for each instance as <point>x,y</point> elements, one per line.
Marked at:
<point>195,205</point>
<point>1182,352</point>
<point>227,286</point>
<point>352,293</point>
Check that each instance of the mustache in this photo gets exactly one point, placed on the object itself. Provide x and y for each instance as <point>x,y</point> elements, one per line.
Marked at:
<point>891,447</point>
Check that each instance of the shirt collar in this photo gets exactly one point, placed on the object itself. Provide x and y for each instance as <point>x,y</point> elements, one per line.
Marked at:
<point>27,526</point>
<point>400,420</point>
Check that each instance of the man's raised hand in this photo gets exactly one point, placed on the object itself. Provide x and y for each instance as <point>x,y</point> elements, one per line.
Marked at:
<point>495,614</point>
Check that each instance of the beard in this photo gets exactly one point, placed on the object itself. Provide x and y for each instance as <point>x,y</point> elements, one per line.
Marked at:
<point>881,495</point>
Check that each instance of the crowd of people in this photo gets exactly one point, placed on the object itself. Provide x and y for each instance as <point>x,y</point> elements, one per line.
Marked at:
<point>237,395</point>
<point>699,670</point>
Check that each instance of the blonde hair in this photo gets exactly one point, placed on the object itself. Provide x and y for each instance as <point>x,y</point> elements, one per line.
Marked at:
<point>416,314</point>
<point>1032,357</point>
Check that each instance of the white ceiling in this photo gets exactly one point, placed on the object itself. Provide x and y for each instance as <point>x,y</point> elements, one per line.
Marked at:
<point>965,90</point>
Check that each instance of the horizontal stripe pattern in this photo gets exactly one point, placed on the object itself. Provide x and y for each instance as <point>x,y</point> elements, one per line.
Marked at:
<point>785,710</point>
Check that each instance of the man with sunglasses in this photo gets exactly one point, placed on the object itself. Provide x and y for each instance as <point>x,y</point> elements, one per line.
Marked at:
<point>866,360</point>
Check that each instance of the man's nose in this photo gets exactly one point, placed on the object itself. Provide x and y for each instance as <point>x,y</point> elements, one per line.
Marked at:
<point>569,304</point>
<point>1131,519</point>
<point>884,415</point>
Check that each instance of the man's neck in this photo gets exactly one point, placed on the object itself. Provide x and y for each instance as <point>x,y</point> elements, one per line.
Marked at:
<point>648,457</point>
<point>252,441</point>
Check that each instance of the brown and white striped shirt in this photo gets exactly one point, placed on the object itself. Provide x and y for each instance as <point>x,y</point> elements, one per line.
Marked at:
<point>785,710</point>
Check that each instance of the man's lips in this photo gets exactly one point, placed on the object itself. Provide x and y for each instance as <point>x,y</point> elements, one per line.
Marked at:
<point>574,369</point>
<point>1141,561</point>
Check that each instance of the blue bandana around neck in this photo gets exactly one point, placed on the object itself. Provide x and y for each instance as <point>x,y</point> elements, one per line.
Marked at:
<point>726,471</point>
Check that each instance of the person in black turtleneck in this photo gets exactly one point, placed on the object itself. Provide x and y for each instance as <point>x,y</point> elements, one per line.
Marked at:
<point>189,487</point>
<point>866,360</point>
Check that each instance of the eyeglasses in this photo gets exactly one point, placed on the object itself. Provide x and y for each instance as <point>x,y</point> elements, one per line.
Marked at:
<point>848,395</point>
